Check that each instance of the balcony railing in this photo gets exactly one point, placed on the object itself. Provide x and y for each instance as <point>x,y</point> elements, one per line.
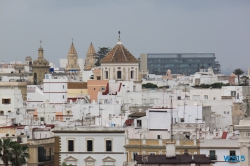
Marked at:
<point>212,157</point>
<point>45,158</point>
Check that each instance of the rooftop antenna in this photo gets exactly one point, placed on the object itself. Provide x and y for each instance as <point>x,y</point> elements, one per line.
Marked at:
<point>171,132</point>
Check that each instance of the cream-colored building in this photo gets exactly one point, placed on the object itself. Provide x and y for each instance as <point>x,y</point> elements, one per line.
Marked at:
<point>157,146</point>
<point>120,65</point>
<point>90,58</point>
<point>72,65</point>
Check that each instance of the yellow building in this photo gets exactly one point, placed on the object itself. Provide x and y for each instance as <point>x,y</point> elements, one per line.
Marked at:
<point>41,151</point>
<point>158,146</point>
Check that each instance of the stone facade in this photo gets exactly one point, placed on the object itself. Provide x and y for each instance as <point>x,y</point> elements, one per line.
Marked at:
<point>72,65</point>
<point>244,140</point>
<point>40,67</point>
<point>90,58</point>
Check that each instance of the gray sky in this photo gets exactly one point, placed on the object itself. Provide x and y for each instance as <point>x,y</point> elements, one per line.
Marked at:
<point>221,27</point>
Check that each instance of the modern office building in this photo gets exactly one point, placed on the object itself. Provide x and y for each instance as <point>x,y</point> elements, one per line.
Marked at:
<point>178,63</point>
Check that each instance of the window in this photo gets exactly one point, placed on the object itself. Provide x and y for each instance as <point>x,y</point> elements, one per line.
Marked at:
<point>158,136</point>
<point>206,97</point>
<point>182,120</point>
<point>106,74</point>
<point>151,153</point>
<point>98,78</point>
<point>63,86</point>
<point>233,93</point>
<point>1,113</point>
<point>232,153</point>
<point>70,145</point>
<point>185,151</point>
<point>119,74</point>
<point>108,145</point>
<point>138,123</point>
<point>133,155</point>
<point>63,96</point>
<point>212,155</point>
<point>103,88</point>
<point>89,145</point>
<point>179,98</point>
<point>6,101</point>
<point>132,74</point>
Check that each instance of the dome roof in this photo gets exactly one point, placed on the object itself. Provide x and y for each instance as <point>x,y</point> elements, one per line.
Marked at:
<point>119,54</point>
<point>28,58</point>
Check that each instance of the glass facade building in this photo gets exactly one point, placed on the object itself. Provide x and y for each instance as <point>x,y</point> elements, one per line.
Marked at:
<point>180,63</point>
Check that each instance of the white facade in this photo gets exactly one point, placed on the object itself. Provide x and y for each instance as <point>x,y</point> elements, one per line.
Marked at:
<point>12,110</point>
<point>99,154</point>
<point>54,90</point>
<point>222,148</point>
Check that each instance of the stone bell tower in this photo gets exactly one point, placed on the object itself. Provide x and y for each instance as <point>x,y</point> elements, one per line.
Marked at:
<point>40,67</point>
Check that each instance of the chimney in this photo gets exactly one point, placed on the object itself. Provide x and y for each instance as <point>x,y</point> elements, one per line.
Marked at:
<point>170,150</point>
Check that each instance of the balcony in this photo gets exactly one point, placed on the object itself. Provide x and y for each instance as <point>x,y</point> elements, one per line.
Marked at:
<point>45,158</point>
<point>212,157</point>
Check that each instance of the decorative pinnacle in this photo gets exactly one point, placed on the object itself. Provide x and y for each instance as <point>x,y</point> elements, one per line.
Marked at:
<point>119,39</point>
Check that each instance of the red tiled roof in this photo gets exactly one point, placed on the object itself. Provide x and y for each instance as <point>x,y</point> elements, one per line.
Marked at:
<point>119,54</point>
<point>129,122</point>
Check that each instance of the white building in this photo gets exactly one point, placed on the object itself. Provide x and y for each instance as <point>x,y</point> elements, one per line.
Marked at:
<point>91,146</point>
<point>54,90</point>
<point>222,151</point>
<point>12,109</point>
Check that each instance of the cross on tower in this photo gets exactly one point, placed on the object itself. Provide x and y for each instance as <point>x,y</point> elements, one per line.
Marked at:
<point>40,43</point>
<point>119,32</point>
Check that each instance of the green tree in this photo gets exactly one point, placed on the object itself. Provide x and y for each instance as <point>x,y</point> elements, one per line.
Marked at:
<point>5,150</point>
<point>64,164</point>
<point>101,54</point>
<point>19,154</point>
<point>245,80</point>
<point>238,72</point>
<point>149,85</point>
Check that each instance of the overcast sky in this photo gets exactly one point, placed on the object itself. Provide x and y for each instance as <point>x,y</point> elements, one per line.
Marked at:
<point>162,26</point>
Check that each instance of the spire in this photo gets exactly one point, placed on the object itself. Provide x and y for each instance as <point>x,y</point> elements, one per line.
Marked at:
<point>91,49</point>
<point>72,49</point>
<point>119,39</point>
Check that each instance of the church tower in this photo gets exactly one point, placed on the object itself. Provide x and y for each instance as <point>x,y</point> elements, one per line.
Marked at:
<point>120,65</point>
<point>72,64</point>
<point>40,67</point>
<point>90,58</point>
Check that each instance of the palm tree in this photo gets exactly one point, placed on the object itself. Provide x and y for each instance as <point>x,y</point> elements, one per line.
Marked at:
<point>238,72</point>
<point>19,154</point>
<point>4,150</point>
